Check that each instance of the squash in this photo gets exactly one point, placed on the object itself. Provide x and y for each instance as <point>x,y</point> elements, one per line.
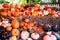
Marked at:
<point>13,38</point>
<point>24,35</point>
<point>35,36</point>
<point>15,32</point>
<point>15,23</point>
<point>5,5</point>
<point>49,36</point>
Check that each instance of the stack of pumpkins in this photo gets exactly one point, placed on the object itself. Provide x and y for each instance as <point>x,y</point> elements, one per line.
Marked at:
<point>13,28</point>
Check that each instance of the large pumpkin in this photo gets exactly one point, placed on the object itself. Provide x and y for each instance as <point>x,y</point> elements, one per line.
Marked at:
<point>49,36</point>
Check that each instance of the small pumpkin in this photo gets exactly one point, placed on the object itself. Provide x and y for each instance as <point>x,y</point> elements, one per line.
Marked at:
<point>35,36</point>
<point>40,29</point>
<point>13,38</point>
<point>24,35</point>
<point>8,28</point>
<point>15,23</point>
<point>29,39</point>
<point>34,14</point>
<point>59,14</point>
<point>49,10</point>
<point>53,12</point>
<point>15,32</point>
<point>30,24</point>
<point>5,5</point>
<point>27,20</point>
<point>3,13</point>
<point>22,23</point>
<point>15,13</point>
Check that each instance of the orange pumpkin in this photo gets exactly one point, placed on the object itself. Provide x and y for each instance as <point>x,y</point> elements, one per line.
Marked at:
<point>25,27</point>
<point>21,6</point>
<point>9,13</point>
<point>40,29</point>
<point>49,10</point>
<point>15,13</point>
<point>11,5</point>
<point>8,28</point>
<point>22,23</point>
<point>15,23</point>
<point>15,32</point>
<point>34,14</point>
<point>21,13</point>
<point>37,5</point>
<point>53,12</point>
<point>16,6</point>
<point>4,13</point>
<point>30,24</point>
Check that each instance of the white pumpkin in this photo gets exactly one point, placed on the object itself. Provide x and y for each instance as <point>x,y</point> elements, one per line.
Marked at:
<point>13,38</point>
<point>49,36</point>
<point>35,35</point>
<point>0,23</point>
<point>29,39</point>
<point>45,12</point>
<point>24,35</point>
<point>5,22</point>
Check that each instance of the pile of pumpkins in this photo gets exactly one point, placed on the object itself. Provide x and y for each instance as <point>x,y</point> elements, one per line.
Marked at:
<point>26,29</point>
<point>15,10</point>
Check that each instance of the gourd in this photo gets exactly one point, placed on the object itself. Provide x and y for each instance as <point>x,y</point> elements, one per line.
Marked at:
<point>49,36</point>
<point>35,36</point>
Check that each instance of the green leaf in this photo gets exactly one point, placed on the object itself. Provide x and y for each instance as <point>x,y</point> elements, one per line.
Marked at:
<point>39,0</point>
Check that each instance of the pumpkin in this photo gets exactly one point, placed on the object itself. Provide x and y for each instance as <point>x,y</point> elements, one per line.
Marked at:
<point>15,32</point>
<point>37,5</point>
<point>22,23</point>
<point>34,14</point>
<point>45,12</point>
<point>25,27</point>
<point>9,13</point>
<point>53,12</point>
<point>11,5</point>
<point>13,38</point>
<point>35,36</point>
<point>30,24</point>
<point>59,14</point>
<point>16,6</point>
<point>24,35</point>
<point>15,23</point>
<point>5,5</point>
<point>26,20</point>
<point>40,29</point>
<point>8,28</point>
<point>0,23</point>
<point>49,10</point>
<point>5,22</point>
<point>29,39</point>
<point>4,13</point>
<point>49,36</point>
<point>15,13</point>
